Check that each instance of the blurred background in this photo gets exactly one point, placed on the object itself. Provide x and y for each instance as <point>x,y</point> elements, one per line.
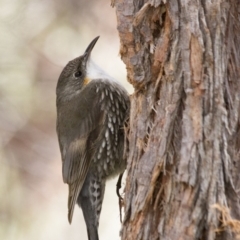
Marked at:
<point>37,38</point>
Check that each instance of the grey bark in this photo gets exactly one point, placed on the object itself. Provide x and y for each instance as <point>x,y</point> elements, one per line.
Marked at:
<point>183,59</point>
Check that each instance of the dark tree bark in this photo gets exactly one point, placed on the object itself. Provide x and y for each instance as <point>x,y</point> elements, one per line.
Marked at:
<point>183,59</point>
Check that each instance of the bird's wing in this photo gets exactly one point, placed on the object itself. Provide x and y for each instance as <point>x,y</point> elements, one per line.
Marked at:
<point>74,190</point>
<point>81,149</point>
<point>76,166</point>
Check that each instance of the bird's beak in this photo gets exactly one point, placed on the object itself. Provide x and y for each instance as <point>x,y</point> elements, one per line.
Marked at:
<point>90,48</point>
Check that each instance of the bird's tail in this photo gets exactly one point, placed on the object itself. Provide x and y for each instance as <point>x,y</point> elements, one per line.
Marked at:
<point>92,233</point>
<point>90,217</point>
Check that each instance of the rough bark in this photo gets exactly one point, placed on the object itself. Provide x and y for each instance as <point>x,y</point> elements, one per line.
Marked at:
<point>183,59</point>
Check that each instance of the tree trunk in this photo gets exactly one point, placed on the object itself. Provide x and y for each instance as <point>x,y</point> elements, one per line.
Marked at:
<point>183,59</point>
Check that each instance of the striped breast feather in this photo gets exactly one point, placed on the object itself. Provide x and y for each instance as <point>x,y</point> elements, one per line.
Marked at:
<point>113,101</point>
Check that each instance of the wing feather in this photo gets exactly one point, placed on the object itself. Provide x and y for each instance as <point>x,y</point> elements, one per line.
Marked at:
<point>74,190</point>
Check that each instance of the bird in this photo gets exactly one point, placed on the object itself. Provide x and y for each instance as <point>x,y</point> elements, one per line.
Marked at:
<point>91,110</point>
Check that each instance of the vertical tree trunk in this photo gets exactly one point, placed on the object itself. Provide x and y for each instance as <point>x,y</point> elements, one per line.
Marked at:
<point>183,59</point>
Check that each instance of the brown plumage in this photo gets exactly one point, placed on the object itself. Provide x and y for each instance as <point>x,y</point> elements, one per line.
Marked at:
<point>91,110</point>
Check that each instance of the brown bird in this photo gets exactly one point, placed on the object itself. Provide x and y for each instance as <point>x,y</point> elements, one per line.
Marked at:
<point>91,110</point>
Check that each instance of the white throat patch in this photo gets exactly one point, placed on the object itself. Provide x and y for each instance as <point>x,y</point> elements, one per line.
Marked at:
<point>95,72</point>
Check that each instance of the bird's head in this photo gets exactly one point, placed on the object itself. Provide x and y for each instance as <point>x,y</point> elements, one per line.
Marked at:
<point>77,74</point>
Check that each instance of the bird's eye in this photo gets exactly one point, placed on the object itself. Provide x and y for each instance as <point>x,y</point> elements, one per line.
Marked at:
<point>77,74</point>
